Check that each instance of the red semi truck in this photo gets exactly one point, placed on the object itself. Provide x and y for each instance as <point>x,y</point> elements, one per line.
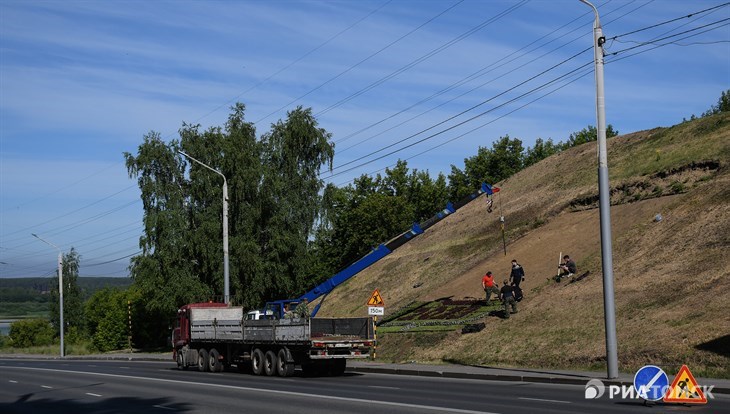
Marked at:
<point>215,336</point>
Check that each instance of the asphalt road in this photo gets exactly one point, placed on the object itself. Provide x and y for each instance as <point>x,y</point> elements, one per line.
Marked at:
<point>80,387</point>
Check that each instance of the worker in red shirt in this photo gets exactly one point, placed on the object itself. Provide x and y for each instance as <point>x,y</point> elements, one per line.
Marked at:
<point>489,286</point>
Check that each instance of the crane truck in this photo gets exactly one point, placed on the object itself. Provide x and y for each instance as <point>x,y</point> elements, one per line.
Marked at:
<point>215,336</point>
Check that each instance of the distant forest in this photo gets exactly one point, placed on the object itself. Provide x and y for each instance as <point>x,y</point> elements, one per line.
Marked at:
<point>30,296</point>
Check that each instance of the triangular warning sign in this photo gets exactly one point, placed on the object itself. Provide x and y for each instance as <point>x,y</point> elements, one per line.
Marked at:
<point>684,389</point>
<point>376,299</point>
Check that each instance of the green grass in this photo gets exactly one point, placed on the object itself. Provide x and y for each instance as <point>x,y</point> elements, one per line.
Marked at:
<point>82,348</point>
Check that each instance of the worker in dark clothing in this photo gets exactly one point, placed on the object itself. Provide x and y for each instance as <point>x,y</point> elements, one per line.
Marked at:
<point>517,274</point>
<point>568,267</point>
<point>508,299</point>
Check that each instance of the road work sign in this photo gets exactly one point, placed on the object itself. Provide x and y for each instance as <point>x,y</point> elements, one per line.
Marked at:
<point>376,299</point>
<point>684,389</point>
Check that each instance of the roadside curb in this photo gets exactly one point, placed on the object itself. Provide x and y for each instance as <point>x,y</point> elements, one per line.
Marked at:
<point>502,377</point>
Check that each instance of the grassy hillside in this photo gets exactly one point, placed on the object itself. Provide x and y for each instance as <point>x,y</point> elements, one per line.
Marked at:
<point>671,277</point>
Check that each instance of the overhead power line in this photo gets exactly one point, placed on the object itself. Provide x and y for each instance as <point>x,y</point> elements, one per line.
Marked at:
<point>462,122</point>
<point>423,58</point>
<point>372,55</point>
<point>463,112</point>
<point>293,62</point>
<point>481,72</point>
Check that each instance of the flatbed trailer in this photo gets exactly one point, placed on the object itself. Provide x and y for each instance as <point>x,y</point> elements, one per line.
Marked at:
<point>215,336</point>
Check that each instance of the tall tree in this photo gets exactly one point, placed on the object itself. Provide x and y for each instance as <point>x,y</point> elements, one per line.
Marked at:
<point>293,153</point>
<point>164,272</point>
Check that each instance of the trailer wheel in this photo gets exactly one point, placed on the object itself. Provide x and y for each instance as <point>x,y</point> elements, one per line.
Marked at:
<point>214,361</point>
<point>284,368</point>
<point>203,362</point>
<point>257,362</point>
<point>270,363</point>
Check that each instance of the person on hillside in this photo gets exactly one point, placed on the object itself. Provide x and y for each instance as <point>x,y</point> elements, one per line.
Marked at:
<point>489,286</point>
<point>517,274</point>
<point>508,299</point>
<point>568,267</point>
<point>302,310</point>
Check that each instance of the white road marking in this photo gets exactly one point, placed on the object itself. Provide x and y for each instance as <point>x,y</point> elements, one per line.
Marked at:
<point>383,387</point>
<point>543,400</point>
<point>93,395</point>
<point>13,381</point>
<point>46,386</point>
<point>163,407</point>
<point>263,390</point>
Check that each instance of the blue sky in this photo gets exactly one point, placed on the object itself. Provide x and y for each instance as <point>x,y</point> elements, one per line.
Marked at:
<point>81,82</point>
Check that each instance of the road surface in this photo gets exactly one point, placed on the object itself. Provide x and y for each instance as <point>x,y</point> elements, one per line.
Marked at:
<point>80,387</point>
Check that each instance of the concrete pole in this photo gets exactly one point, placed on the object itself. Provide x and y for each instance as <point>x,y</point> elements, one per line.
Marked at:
<point>60,295</point>
<point>226,280</point>
<point>609,307</point>
<point>60,288</point>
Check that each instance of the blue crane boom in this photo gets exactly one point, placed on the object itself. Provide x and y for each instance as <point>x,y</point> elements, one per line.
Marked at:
<point>278,307</point>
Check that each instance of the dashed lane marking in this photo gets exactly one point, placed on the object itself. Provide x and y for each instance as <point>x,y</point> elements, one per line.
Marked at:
<point>163,407</point>
<point>543,400</point>
<point>93,395</point>
<point>268,391</point>
<point>13,381</point>
<point>46,386</point>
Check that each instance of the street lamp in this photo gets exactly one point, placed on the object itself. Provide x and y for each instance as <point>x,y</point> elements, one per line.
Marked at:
<point>60,285</point>
<point>604,196</point>
<point>226,283</point>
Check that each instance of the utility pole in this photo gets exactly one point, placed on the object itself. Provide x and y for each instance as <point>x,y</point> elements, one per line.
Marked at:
<point>226,281</point>
<point>604,195</point>
<point>60,288</point>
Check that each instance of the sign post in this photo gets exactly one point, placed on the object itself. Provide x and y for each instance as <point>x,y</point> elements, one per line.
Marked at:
<point>376,307</point>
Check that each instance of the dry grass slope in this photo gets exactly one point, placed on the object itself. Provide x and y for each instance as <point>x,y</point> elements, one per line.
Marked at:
<point>672,287</point>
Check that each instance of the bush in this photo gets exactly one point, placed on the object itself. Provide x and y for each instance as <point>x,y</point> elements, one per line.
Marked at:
<point>31,332</point>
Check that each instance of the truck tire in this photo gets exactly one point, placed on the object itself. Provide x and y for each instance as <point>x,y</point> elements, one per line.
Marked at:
<point>337,367</point>
<point>214,361</point>
<point>257,362</point>
<point>270,363</point>
<point>203,362</point>
<point>181,361</point>
<point>284,368</point>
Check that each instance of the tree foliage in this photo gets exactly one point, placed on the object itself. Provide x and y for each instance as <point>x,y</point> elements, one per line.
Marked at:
<point>274,202</point>
<point>31,332</point>
<point>723,104</point>
<point>73,296</point>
